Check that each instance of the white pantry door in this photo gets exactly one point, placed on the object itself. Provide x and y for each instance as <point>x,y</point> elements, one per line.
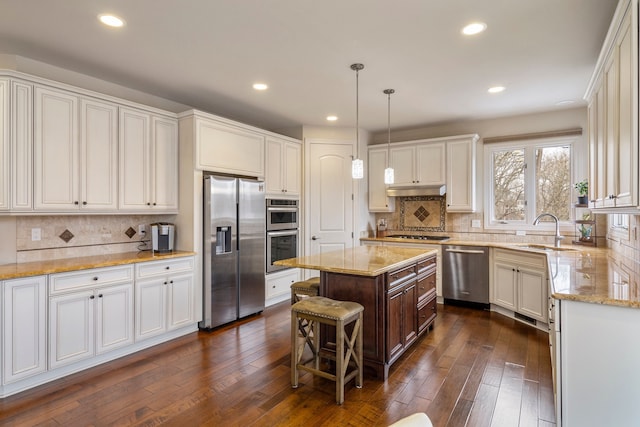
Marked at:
<point>330,197</point>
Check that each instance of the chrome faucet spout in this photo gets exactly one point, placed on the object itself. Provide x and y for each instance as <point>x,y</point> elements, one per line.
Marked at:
<point>557,237</point>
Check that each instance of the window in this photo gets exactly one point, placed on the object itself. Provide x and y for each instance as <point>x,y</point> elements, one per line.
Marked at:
<point>527,179</point>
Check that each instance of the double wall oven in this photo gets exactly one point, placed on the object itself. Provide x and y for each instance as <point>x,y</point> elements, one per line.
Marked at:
<point>282,231</point>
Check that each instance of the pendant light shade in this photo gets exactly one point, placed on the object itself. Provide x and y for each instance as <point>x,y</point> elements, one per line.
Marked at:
<point>357,166</point>
<point>388,172</point>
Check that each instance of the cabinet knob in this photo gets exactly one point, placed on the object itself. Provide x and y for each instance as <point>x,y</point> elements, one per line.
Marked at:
<point>154,203</point>
<point>99,295</point>
<point>167,267</point>
<point>170,281</point>
<point>91,297</point>
<point>95,278</point>
<point>148,204</point>
<point>84,203</point>
<point>76,203</point>
<point>273,287</point>
<point>165,282</point>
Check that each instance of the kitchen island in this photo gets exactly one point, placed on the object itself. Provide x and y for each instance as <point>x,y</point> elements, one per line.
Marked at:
<point>396,286</point>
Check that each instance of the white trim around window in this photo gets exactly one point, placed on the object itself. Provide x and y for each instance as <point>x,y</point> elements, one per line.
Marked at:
<point>529,147</point>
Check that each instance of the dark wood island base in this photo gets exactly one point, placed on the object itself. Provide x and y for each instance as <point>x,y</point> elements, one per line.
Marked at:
<point>399,306</point>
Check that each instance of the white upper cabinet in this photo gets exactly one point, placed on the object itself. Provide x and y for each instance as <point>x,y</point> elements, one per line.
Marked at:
<point>148,162</point>
<point>419,163</point>
<point>56,169</point>
<point>21,177</point>
<point>69,150</point>
<point>461,174</point>
<point>378,199</point>
<point>613,110</point>
<point>98,155</point>
<point>5,144</point>
<point>221,146</point>
<point>75,160</point>
<point>283,169</point>
<point>436,162</point>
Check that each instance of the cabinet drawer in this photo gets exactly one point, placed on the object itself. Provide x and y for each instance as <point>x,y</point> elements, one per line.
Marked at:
<point>426,314</point>
<point>170,266</point>
<point>426,286</point>
<point>426,264</point>
<point>62,282</point>
<point>396,277</point>
<point>520,257</point>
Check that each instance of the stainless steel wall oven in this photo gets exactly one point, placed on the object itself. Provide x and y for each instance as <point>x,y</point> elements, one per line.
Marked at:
<point>282,214</point>
<point>282,231</point>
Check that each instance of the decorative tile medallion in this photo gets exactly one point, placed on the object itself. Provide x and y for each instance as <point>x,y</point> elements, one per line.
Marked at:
<point>422,213</point>
<point>66,236</point>
<point>130,232</point>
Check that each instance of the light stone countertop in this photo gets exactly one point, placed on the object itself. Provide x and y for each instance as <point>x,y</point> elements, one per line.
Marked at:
<point>576,273</point>
<point>12,271</point>
<point>368,261</point>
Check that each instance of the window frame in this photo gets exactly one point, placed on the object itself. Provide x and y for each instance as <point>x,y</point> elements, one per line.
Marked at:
<point>529,147</point>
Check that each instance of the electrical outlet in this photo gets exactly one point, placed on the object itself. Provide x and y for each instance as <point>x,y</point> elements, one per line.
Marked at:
<point>36,234</point>
<point>142,229</point>
<point>475,223</point>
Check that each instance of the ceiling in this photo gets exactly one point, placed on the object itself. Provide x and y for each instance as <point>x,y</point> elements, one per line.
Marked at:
<point>208,53</point>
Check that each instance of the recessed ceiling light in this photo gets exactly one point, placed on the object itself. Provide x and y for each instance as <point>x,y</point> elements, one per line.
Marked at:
<point>260,86</point>
<point>332,118</point>
<point>565,102</point>
<point>474,28</point>
<point>111,20</point>
<point>496,89</point>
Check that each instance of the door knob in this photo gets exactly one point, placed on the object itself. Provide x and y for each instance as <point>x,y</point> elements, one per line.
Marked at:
<point>315,238</point>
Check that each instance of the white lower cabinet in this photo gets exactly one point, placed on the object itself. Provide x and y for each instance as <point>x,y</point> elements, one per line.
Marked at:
<point>164,296</point>
<point>278,285</point>
<point>520,283</point>
<point>55,325</point>
<point>85,319</point>
<point>23,328</point>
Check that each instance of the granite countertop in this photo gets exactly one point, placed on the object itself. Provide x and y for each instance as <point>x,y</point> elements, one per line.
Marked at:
<point>576,273</point>
<point>362,260</point>
<point>12,271</point>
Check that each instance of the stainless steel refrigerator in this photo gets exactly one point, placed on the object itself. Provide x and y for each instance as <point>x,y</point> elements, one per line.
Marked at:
<point>234,249</point>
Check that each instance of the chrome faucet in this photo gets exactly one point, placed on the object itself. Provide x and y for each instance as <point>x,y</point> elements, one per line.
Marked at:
<point>555,218</point>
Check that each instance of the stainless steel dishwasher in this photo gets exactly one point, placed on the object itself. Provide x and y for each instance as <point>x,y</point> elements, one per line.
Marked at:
<point>465,275</point>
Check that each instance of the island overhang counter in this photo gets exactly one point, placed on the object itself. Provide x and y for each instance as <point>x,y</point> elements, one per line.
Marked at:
<point>395,285</point>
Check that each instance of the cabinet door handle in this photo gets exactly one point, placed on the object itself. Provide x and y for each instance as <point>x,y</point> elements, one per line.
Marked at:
<point>315,238</point>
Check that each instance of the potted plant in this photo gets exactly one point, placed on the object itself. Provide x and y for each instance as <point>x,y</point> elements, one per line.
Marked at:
<point>582,188</point>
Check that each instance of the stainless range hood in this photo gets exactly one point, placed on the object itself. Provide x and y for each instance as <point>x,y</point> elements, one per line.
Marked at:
<point>439,190</point>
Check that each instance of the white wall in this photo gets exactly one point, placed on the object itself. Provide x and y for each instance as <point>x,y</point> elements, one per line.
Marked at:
<point>47,71</point>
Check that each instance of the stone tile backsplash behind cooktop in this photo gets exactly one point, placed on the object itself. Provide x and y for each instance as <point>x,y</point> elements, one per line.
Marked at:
<point>422,213</point>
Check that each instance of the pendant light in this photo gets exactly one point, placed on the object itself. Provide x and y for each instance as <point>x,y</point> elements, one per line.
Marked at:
<point>388,172</point>
<point>357,166</point>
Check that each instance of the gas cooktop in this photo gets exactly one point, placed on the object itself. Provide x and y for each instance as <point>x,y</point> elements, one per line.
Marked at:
<point>416,237</point>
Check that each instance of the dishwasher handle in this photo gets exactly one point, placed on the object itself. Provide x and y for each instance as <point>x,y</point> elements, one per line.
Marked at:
<point>465,251</point>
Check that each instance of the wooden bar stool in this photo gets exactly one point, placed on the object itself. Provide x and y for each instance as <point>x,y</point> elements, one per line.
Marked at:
<point>306,317</point>
<point>305,288</point>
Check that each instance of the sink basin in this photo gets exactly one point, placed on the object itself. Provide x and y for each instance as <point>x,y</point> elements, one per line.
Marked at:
<point>539,247</point>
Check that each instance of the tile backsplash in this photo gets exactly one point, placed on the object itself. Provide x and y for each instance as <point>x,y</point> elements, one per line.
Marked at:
<point>74,236</point>
<point>407,220</point>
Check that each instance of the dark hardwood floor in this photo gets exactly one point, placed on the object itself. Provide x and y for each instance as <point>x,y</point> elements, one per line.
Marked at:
<point>475,368</point>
